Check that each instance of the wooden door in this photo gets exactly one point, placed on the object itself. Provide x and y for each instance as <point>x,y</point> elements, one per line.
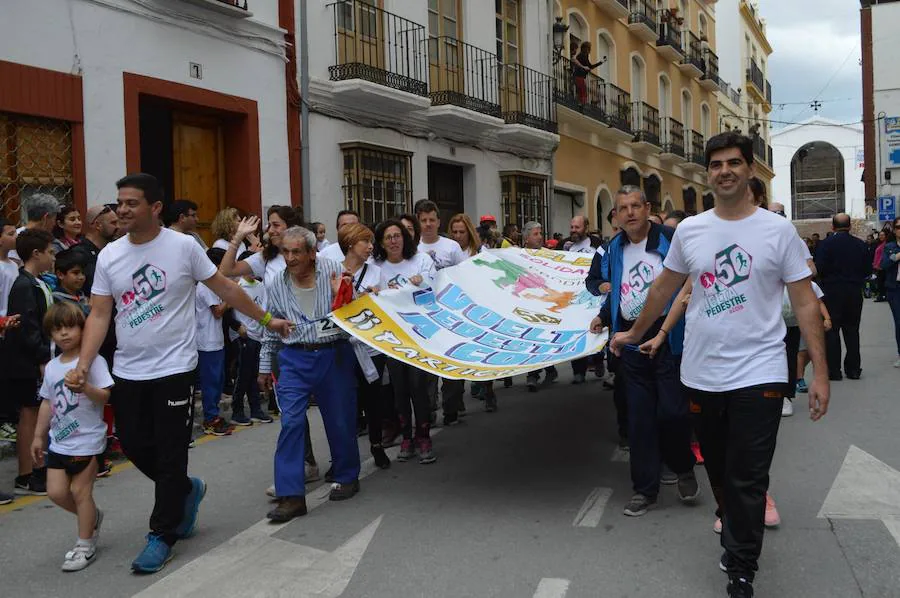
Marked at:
<point>360,33</point>
<point>445,188</point>
<point>508,36</point>
<point>198,156</point>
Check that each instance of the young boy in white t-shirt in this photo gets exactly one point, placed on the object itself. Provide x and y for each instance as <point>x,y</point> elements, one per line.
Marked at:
<point>250,343</point>
<point>73,417</point>
<point>211,353</point>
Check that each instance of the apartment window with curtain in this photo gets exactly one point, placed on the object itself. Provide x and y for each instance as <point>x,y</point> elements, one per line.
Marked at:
<point>523,197</point>
<point>507,30</point>
<point>377,181</point>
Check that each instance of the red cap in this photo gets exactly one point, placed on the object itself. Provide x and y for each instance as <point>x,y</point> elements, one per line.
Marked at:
<point>488,218</point>
<point>551,243</point>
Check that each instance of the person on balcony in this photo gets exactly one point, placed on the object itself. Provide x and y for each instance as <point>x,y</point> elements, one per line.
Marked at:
<point>581,67</point>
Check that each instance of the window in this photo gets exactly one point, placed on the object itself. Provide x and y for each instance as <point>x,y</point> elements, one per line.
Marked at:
<point>665,97</point>
<point>687,110</point>
<point>35,157</point>
<point>443,21</point>
<point>377,182</point>
<point>705,121</point>
<point>507,31</point>
<point>637,79</point>
<point>523,197</point>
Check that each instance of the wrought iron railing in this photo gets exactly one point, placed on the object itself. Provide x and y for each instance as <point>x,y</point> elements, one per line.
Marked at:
<point>672,136</point>
<point>526,97</point>
<point>642,11</point>
<point>375,45</point>
<point>769,156</point>
<point>242,4</point>
<point>620,110</point>
<point>698,149</point>
<point>759,149</point>
<point>645,122</point>
<point>694,54</point>
<point>585,94</point>
<point>710,65</point>
<point>670,35</point>
<point>755,76</point>
<point>463,75</point>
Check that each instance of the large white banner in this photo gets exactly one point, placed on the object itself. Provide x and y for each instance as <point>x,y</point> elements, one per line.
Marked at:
<point>500,313</point>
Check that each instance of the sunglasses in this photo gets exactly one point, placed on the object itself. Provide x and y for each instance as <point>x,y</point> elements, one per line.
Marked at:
<point>106,210</point>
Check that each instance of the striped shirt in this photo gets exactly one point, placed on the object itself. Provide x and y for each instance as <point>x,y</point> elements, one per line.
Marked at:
<point>282,303</point>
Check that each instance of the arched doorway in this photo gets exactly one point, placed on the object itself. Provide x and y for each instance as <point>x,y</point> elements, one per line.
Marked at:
<point>631,176</point>
<point>689,196</point>
<point>604,205</point>
<point>709,202</point>
<point>817,181</point>
<point>637,79</point>
<point>578,31</point>
<point>606,46</point>
<point>653,189</point>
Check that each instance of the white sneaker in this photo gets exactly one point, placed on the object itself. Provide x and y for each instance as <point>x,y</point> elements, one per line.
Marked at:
<point>270,491</point>
<point>787,409</point>
<point>79,557</point>
<point>897,364</point>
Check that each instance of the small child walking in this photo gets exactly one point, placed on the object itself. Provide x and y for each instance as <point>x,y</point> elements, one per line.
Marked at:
<point>73,416</point>
<point>211,353</point>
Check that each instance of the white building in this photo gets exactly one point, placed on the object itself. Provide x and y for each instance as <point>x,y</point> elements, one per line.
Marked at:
<point>413,99</point>
<point>192,91</point>
<point>819,170</point>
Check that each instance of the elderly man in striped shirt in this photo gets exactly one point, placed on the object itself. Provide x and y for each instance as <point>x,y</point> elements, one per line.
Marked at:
<point>315,358</point>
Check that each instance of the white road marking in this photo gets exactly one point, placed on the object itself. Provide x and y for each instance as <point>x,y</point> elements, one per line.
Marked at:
<point>620,456</point>
<point>551,587</point>
<point>865,488</point>
<point>592,509</point>
<point>253,563</point>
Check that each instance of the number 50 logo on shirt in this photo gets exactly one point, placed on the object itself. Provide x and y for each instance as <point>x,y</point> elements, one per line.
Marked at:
<point>733,265</point>
<point>149,281</point>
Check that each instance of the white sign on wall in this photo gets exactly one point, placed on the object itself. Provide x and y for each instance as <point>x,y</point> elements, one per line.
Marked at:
<point>892,140</point>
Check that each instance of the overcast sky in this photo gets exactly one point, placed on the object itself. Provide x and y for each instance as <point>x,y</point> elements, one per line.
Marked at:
<point>815,43</point>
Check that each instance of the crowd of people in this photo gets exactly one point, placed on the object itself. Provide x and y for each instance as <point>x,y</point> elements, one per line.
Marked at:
<point>107,310</point>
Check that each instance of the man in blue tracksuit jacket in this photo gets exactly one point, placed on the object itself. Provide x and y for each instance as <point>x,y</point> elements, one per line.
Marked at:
<point>658,414</point>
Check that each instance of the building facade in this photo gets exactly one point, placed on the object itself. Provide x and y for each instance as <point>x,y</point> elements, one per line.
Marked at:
<point>643,115</point>
<point>118,86</point>
<point>448,100</point>
<point>745,94</point>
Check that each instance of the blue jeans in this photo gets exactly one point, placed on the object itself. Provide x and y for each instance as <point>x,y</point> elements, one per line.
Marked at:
<point>330,374</point>
<point>893,297</point>
<point>212,381</point>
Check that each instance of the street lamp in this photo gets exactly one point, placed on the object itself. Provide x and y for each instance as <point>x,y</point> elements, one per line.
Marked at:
<point>559,38</point>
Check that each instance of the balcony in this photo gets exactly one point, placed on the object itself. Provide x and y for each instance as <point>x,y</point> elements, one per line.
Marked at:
<point>231,8</point>
<point>526,104</point>
<point>464,86</point>
<point>617,9</point>
<point>756,82</point>
<point>693,64</point>
<point>619,112</point>
<point>768,93</point>
<point>672,140</point>
<point>696,157</point>
<point>669,42</point>
<point>710,78</point>
<point>379,59</point>
<point>642,20</point>
<point>585,95</point>
<point>645,122</point>
<point>762,154</point>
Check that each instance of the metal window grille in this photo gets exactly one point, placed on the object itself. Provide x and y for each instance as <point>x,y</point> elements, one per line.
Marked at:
<point>377,183</point>
<point>35,157</point>
<point>523,198</point>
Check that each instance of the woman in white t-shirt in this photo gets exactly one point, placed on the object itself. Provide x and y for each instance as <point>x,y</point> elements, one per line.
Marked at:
<point>463,232</point>
<point>268,263</point>
<point>355,241</point>
<point>405,269</point>
<point>223,227</point>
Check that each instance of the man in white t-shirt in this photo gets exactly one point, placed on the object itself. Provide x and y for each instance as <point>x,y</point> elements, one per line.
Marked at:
<point>151,277</point>
<point>445,253</point>
<point>581,242</point>
<point>333,250</point>
<point>739,259</point>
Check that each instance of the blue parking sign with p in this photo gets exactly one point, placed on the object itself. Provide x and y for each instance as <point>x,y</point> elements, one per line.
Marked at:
<point>887,208</point>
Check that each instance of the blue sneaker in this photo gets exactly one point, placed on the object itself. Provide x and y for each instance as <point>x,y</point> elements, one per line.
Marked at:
<point>153,557</point>
<point>801,385</point>
<point>188,523</point>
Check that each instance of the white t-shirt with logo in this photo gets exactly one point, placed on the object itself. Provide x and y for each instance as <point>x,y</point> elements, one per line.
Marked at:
<point>266,270</point>
<point>210,335</point>
<point>77,428</point>
<point>639,270</point>
<point>444,252</point>
<point>256,291</point>
<point>9,271</point>
<point>735,332</point>
<point>395,276</point>
<point>584,246</point>
<point>153,285</point>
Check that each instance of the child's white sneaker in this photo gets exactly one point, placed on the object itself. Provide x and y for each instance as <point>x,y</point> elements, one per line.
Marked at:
<point>79,557</point>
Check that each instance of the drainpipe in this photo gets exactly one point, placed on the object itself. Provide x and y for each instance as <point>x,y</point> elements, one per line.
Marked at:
<point>552,181</point>
<point>304,112</point>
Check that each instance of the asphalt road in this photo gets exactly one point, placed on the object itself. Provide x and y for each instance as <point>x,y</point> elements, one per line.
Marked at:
<point>523,502</point>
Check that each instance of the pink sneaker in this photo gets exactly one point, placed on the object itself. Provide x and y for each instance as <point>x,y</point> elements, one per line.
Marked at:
<point>772,517</point>
<point>717,526</point>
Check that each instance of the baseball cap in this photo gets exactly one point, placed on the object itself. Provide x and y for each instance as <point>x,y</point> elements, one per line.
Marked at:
<point>488,218</point>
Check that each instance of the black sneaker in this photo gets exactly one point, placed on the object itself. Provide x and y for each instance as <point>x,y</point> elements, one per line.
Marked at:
<point>343,491</point>
<point>5,498</point>
<point>688,489</point>
<point>740,587</point>
<point>451,419</point>
<point>31,485</point>
<point>724,562</point>
<point>531,383</point>
<point>639,505</point>
<point>551,376</point>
